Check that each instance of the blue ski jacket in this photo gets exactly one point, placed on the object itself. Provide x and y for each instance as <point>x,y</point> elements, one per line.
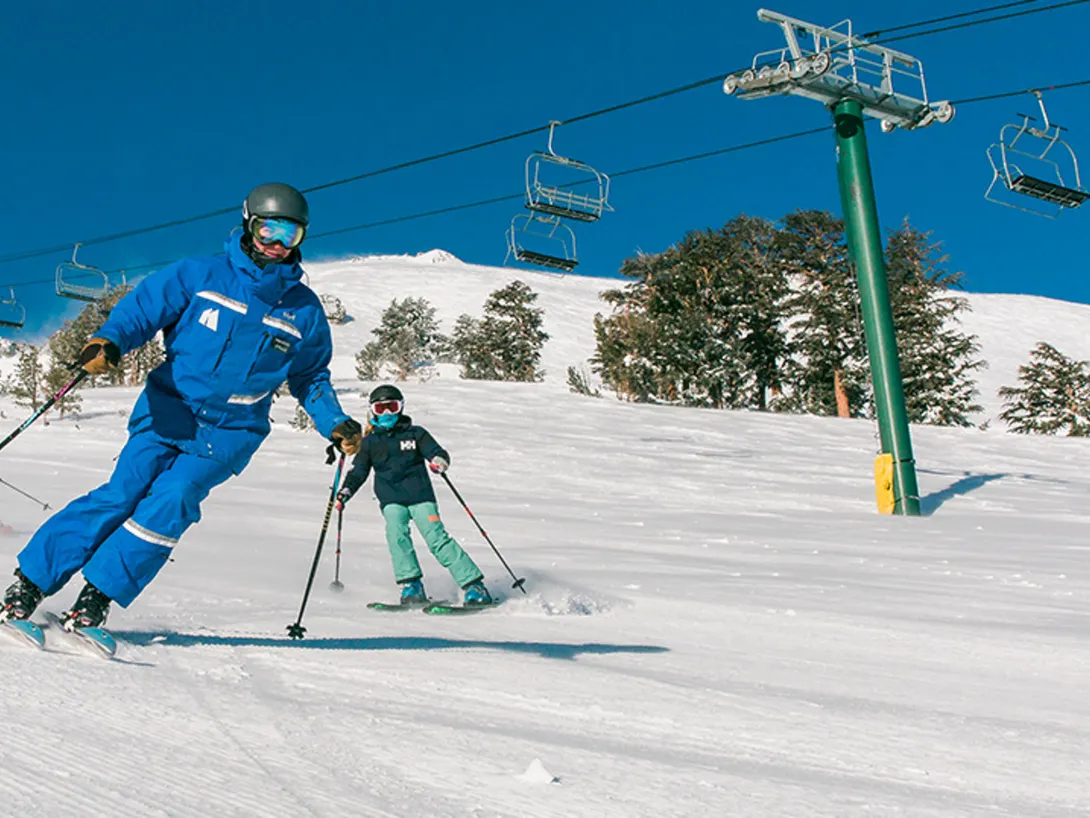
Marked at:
<point>398,457</point>
<point>234,332</point>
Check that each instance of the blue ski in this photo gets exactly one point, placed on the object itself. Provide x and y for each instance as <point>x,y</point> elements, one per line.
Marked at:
<point>25,631</point>
<point>97,640</point>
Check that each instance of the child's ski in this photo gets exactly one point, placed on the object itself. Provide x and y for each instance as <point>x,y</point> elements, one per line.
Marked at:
<point>455,609</point>
<point>398,606</point>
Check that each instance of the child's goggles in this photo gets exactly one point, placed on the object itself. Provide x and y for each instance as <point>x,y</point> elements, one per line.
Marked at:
<point>267,230</point>
<point>386,407</point>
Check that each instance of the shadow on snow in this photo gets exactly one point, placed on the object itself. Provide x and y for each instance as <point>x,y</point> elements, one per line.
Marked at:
<point>549,650</point>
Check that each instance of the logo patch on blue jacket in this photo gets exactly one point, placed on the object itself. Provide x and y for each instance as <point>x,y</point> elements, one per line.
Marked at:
<point>280,345</point>
<point>408,445</point>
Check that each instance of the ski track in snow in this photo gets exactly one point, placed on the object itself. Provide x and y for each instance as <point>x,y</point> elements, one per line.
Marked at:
<point>717,621</point>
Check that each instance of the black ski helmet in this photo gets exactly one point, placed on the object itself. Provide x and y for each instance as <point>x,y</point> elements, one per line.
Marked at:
<point>385,392</point>
<point>275,200</point>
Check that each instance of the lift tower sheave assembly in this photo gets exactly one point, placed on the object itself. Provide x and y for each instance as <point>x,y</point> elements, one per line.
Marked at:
<point>854,79</point>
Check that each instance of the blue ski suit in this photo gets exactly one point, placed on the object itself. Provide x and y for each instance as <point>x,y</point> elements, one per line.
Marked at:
<point>233,333</point>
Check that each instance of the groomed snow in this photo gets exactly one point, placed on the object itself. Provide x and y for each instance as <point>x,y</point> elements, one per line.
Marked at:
<point>718,623</point>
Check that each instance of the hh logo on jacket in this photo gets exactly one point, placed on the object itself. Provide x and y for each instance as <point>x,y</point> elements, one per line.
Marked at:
<point>408,445</point>
<point>210,318</point>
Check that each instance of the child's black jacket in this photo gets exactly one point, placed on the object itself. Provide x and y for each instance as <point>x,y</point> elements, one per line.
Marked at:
<point>399,458</point>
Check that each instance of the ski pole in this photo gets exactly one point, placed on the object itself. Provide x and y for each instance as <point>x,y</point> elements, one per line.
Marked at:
<point>518,582</point>
<point>296,629</point>
<point>45,506</point>
<point>45,407</point>
<point>336,584</point>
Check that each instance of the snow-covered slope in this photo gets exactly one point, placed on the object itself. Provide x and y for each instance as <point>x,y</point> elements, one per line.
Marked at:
<point>717,621</point>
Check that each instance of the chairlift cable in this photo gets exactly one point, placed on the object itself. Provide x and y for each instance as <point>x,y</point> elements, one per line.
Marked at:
<point>717,78</point>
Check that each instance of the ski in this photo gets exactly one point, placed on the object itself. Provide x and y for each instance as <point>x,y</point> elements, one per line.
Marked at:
<point>398,606</point>
<point>98,641</point>
<point>24,631</point>
<point>455,609</point>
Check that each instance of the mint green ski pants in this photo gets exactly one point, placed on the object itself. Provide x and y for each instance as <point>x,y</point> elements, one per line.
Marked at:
<point>445,548</point>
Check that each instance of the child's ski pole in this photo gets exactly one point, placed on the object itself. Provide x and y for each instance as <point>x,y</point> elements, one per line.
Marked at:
<point>518,582</point>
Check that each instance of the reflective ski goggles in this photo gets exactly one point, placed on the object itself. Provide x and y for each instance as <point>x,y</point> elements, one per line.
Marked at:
<point>386,407</point>
<point>269,230</point>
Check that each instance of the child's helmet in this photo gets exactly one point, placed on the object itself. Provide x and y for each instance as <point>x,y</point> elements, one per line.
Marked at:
<point>385,405</point>
<point>385,392</point>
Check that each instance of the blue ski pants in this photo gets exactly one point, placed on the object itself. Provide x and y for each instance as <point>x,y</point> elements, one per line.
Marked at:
<point>123,532</point>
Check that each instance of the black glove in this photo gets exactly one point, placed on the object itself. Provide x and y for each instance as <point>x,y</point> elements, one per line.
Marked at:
<point>347,435</point>
<point>98,355</point>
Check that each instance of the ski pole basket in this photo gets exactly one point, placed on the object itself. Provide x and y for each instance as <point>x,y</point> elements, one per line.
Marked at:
<point>1035,163</point>
<point>12,313</point>
<point>542,240</point>
<point>69,271</point>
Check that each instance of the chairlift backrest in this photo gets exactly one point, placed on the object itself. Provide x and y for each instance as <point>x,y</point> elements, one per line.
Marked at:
<point>12,313</point>
<point>551,242</point>
<point>68,271</point>
<point>553,198</point>
<point>1021,164</point>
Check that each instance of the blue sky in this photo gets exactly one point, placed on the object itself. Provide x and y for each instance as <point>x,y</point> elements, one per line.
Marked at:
<point>124,114</point>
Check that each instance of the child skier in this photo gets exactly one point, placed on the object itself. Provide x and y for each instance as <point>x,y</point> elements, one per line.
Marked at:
<point>398,451</point>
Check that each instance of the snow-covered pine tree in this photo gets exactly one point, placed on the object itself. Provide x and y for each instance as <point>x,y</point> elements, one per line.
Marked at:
<point>65,345</point>
<point>938,358</point>
<point>407,338</point>
<point>1054,395</point>
<point>700,323</point>
<point>827,373</point>
<point>28,381</point>
<point>506,344</point>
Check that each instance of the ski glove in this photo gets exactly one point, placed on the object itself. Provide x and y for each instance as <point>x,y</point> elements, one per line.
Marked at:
<point>343,496</point>
<point>438,465</point>
<point>98,355</point>
<point>347,436</point>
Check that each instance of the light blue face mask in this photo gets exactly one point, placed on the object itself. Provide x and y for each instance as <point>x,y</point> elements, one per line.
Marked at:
<point>385,421</point>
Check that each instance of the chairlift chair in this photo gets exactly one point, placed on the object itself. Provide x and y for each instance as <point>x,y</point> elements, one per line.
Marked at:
<point>561,200</point>
<point>1030,145</point>
<point>67,271</point>
<point>12,313</point>
<point>543,231</point>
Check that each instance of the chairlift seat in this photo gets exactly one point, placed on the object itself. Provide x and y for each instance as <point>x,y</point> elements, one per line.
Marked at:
<point>564,212</point>
<point>544,260</point>
<point>14,324</point>
<point>1048,191</point>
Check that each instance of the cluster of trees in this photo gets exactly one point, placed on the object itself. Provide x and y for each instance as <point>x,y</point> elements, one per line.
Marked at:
<point>756,314</point>
<point>42,371</point>
<point>504,344</point>
<point>1053,395</point>
<point>765,315</point>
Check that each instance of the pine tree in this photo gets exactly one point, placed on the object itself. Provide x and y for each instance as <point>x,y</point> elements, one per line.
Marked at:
<point>827,373</point>
<point>506,344</point>
<point>937,357</point>
<point>66,343</point>
<point>28,381</point>
<point>1054,395</point>
<point>407,338</point>
<point>700,323</point>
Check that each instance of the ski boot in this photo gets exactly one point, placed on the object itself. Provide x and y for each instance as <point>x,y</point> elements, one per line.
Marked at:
<point>413,593</point>
<point>20,599</point>
<point>89,610</point>
<point>477,594</point>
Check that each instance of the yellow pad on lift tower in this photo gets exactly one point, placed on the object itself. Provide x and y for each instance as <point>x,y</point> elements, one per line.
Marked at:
<point>883,483</point>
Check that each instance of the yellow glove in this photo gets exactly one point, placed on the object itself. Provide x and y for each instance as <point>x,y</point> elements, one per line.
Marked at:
<point>98,355</point>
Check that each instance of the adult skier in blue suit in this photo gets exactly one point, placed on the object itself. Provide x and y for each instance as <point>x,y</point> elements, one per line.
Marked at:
<point>235,327</point>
